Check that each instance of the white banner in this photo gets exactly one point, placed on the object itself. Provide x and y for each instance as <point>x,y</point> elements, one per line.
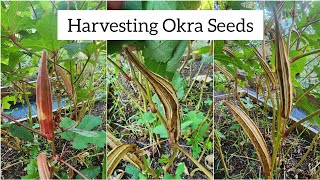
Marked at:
<point>160,25</point>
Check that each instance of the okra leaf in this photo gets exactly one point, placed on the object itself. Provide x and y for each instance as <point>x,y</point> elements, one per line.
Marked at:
<point>21,132</point>
<point>90,172</point>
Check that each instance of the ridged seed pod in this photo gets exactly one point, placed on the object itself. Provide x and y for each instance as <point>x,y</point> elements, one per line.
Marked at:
<point>44,99</point>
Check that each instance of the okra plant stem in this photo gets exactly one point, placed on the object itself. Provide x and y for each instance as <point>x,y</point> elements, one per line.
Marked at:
<point>20,124</point>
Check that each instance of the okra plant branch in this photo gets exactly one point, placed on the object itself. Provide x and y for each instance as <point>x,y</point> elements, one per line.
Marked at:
<point>205,147</point>
<point>297,40</point>
<point>314,141</point>
<point>287,132</point>
<point>20,124</point>
<point>292,25</point>
<point>305,93</point>
<point>293,144</point>
<point>304,55</point>
<point>315,57</point>
<point>130,96</point>
<point>84,67</point>
<point>202,87</point>
<point>217,146</point>
<point>203,169</point>
<point>14,40</point>
<point>186,58</point>
<point>70,166</point>
<point>194,80</point>
<point>120,69</point>
<point>314,176</point>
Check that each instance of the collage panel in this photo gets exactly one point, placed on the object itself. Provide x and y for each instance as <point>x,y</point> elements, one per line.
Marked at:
<point>53,107</point>
<point>159,107</point>
<point>266,95</point>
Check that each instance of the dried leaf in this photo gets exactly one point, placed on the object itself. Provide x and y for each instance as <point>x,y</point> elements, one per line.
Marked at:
<point>209,161</point>
<point>201,78</point>
<point>66,79</point>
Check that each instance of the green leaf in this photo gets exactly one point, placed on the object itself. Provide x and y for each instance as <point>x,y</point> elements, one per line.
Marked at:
<point>208,59</point>
<point>13,19</point>
<point>83,132</point>
<point>67,123</point>
<point>116,46</point>
<point>317,71</point>
<point>209,145</point>
<point>195,117</point>
<point>47,28</point>
<point>160,5</point>
<point>186,124</point>
<point>158,68</point>
<point>159,50</point>
<point>104,167</point>
<point>80,140</point>
<point>196,150</point>
<point>179,85</point>
<point>132,5</point>
<point>142,176</point>
<point>236,5</point>
<point>161,130</point>
<point>208,101</point>
<point>89,122</point>
<point>21,132</point>
<point>179,170</point>
<point>219,134</point>
<point>5,101</point>
<point>133,171</point>
<point>163,159</point>
<point>14,58</point>
<point>74,48</point>
<point>174,62</point>
<point>218,47</point>
<point>169,176</point>
<point>160,55</point>
<point>171,5</point>
<point>32,170</point>
<point>90,172</point>
<point>204,50</point>
<point>297,66</point>
<point>147,117</point>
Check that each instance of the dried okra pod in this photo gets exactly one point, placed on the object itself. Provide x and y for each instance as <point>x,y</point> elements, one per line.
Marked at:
<point>44,99</point>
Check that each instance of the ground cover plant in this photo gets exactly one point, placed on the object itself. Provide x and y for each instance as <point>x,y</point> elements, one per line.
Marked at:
<point>53,107</point>
<point>272,88</point>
